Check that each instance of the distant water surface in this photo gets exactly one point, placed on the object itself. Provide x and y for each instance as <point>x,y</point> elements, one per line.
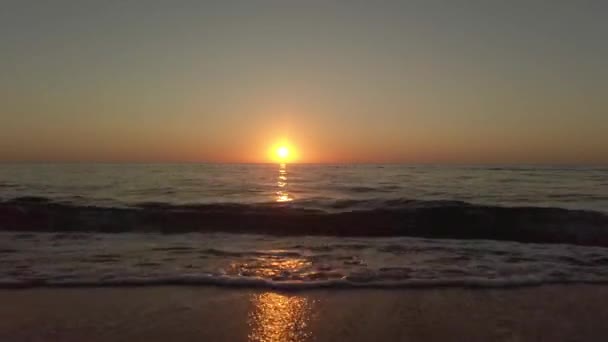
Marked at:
<point>327,187</point>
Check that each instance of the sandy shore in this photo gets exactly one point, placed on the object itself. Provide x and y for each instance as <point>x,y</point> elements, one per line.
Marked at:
<point>550,313</point>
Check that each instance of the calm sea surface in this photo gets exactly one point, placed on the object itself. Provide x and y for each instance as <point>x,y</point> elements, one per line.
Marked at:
<point>315,186</point>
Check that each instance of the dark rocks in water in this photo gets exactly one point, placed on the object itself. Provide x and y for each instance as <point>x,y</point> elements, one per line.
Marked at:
<point>439,219</point>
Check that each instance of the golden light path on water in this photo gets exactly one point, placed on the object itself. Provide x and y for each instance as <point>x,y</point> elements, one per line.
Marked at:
<point>282,195</point>
<point>276,317</point>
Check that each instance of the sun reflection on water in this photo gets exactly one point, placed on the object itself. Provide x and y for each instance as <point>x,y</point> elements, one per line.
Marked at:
<point>275,317</point>
<point>282,195</point>
<point>273,268</point>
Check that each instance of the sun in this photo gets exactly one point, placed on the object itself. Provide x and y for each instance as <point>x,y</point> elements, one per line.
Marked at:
<point>282,152</point>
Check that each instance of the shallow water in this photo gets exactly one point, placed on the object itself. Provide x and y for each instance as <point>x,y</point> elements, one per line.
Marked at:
<point>92,259</point>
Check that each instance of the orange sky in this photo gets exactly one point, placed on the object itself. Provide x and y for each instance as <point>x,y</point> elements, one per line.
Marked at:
<point>341,82</point>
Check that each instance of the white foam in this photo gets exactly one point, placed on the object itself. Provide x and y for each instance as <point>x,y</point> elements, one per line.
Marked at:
<point>279,262</point>
<point>252,282</point>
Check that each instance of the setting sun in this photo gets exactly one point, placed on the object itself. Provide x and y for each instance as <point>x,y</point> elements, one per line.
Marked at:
<point>282,152</point>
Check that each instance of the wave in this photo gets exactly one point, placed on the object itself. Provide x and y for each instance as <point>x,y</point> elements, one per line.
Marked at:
<point>344,283</point>
<point>397,217</point>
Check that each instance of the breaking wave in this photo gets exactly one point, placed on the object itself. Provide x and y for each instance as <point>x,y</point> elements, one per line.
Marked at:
<point>396,217</point>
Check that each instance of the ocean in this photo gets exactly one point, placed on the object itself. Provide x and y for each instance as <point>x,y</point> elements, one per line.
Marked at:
<point>301,226</point>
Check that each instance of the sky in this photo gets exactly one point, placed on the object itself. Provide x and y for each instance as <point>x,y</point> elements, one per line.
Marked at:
<point>467,82</point>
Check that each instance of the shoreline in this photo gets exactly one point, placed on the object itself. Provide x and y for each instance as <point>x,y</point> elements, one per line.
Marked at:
<point>541,313</point>
<point>302,287</point>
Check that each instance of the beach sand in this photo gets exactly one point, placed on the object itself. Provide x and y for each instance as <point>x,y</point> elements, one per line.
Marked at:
<point>548,313</point>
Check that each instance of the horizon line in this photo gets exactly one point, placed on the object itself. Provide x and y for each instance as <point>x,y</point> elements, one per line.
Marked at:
<point>548,164</point>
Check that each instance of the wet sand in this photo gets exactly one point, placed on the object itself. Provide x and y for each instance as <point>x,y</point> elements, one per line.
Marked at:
<point>548,313</point>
